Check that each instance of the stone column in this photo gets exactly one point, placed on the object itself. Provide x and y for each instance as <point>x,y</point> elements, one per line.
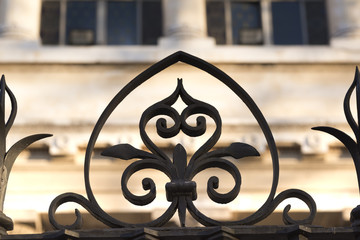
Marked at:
<point>344,23</point>
<point>185,24</point>
<point>20,20</point>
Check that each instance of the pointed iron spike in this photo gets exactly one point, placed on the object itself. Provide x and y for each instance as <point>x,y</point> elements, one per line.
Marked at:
<point>348,114</point>
<point>187,99</point>
<point>13,112</point>
<point>2,99</point>
<point>357,80</point>
<point>180,83</point>
<point>180,160</point>
<point>182,210</point>
<point>2,121</point>
<point>2,93</point>
<point>170,100</point>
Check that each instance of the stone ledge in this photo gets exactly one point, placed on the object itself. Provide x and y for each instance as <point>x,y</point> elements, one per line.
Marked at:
<point>34,54</point>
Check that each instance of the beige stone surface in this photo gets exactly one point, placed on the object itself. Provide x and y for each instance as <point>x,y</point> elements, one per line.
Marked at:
<point>20,20</point>
<point>62,90</point>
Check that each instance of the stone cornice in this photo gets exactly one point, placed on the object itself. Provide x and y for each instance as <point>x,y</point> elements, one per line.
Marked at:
<point>12,53</point>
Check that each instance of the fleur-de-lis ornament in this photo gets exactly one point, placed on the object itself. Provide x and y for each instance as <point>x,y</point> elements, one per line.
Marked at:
<point>7,158</point>
<point>181,171</point>
<point>181,190</point>
<point>352,145</point>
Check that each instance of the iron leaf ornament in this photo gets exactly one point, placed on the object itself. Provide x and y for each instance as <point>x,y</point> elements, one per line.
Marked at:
<point>181,190</point>
<point>7,158</point>
<point>352,145</point>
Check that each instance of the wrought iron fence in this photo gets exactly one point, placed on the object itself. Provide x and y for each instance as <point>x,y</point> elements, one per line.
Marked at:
<point>181,190</point>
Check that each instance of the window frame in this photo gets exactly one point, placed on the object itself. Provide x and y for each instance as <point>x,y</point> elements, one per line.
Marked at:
<point>267,21</point>
<point>101,21</point>
<point>228,19</point>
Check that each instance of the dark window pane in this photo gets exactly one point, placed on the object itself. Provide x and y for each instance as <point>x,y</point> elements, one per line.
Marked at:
<point>216,21</point>
<point>81,22</point>
<point>316,22</point>
<point>151,22</point>
<point>121,23</point>
<point>287,27</point>
<point>49,26</point>
<point>246,23</point>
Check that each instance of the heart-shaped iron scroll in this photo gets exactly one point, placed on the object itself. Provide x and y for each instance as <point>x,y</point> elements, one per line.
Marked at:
<point>181,190</point>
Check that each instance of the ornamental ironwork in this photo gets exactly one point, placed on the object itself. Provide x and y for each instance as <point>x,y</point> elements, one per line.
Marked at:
<point>181,190</point>
<point>353,146</point>
<point>8,157</point>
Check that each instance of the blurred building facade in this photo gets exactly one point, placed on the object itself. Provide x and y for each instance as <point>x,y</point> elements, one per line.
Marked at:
<point>65,60</point>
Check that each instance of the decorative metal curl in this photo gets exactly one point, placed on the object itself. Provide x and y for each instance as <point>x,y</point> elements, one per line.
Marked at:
<point>181,190</point>
<point>353,146</point>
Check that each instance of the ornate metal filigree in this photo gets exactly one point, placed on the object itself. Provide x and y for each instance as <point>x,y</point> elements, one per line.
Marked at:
<point>181,190</point>
<point>353,146</point>
<point>7,158</point>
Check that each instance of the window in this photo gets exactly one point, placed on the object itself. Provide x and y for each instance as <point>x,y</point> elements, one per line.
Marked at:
<point>299,22</point>
<point>234,22</point>
<point>111,22</point>
<point>284,22</point>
